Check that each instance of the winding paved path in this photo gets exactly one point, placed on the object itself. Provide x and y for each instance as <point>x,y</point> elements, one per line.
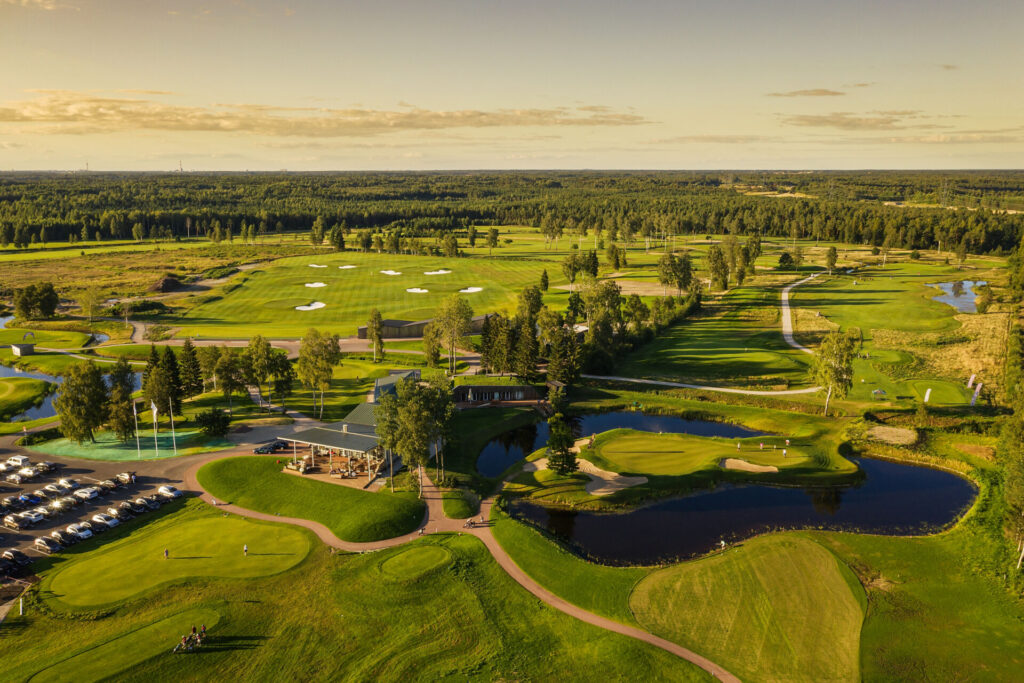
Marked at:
<point>787,318</point>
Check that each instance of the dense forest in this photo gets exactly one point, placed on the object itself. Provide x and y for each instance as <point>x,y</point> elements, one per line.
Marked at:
<point>850,207</point>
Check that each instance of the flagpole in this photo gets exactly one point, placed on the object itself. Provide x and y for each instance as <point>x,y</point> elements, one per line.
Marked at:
<point>138,445</point>
<point>170,411</point>
<point>156,446</point>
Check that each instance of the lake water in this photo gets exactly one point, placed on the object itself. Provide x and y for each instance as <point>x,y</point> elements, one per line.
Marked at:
<point>892,499</point>
<point>963,300</point>
<point>516,444</point>
<point>45,409</point>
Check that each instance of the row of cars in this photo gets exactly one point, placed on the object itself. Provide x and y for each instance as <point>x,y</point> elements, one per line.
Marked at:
<point>55,499</point>
<point>18,470</point>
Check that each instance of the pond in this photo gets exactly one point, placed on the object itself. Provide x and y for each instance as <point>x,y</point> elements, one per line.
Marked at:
<point>892,499</point>
<point>46,409</point>
<point>959,294</point>
<point>516,444</point>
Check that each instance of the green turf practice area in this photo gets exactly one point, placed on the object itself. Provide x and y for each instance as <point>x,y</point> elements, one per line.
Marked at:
<point>108,447</point>
<point>257,483</point>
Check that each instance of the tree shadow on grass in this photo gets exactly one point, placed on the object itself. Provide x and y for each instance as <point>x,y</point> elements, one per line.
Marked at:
<point>228,643</point>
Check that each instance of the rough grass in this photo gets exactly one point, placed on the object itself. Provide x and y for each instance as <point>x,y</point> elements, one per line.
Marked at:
<point>775,608</point>
<point>257,483</point>
<point>201,543</point>
<point>465,619</point>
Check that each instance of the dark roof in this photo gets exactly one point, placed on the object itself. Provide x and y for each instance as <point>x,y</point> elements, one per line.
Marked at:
<point>359,438</point>
<point>392,379</point>
<point>362,414</point>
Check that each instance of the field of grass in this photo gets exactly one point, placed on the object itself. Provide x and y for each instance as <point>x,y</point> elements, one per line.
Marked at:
<point>53,339</point>
<point>257,483</point>
<point>776,608</point>
<point>53,363</point>
<point>440,608</point>
<point>200,544</point>
<point>18,394</point>
<point>352,381</point>
<point>63,250</point>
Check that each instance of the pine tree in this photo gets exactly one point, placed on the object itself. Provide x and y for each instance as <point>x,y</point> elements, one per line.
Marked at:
<point>375,333</point>
<point>561,459</point>
<point>526,353</point>
<point>172,397</point>
<point>544,284</point>
<point>191,371</point>
<point>152,363</point>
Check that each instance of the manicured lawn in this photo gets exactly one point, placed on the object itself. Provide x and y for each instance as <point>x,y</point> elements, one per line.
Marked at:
<point>352,381</point>
<point>18,394</point>
<point>107,446</point>
<point>775,608</point>
<point>438,609</point>
<point>49,362</point>
<point>54,339</point>
<point>201,543</point>
<point>257,483</point>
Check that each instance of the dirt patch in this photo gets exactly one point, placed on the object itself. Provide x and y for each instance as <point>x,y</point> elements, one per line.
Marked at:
<point>744,466</point>
<point>977,450</point>
<point>639,287</point>
<point>894,435</point>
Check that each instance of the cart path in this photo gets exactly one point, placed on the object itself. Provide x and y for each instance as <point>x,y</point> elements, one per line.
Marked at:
<point>435,521</point>
<point>787,318</point>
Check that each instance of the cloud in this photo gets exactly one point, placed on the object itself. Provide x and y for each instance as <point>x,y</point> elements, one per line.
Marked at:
<point>38,4</point>
<point>813,92</point>
<point>948,67</point>
<point>714,139</point>
<point>957,138</point>
<point>82,113</point>
<point>10,145</point>
<point>860,85</point>
<point>133,91</point>
<point>876,120</point>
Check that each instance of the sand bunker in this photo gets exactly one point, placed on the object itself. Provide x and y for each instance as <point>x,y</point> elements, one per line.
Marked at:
<point>744,466</point>
<point>417,290</point>
<point>471,290</point>
<point>437,272</point>
<point>311,307</point>
<point>346,267</point>
<point>316,284</point>
<point>391,272</point>
<point>316,265</point>
<point>602,482</point>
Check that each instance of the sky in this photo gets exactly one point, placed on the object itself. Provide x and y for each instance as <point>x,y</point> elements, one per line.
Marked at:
<point>510,84</point>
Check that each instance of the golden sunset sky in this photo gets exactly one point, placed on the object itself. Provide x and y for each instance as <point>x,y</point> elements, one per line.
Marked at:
<point>481,84</point>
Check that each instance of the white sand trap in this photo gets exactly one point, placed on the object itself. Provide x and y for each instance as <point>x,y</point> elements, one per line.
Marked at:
<point>346,267</point>
<point>311,307</point>
<point>602,482</point>
<point>391,272</point>
<point>437,272</point>
<point>471,290</point>
<point>316,265</point>
<point>316,284</point>
<point>744,466</point>
<point>417,290</point>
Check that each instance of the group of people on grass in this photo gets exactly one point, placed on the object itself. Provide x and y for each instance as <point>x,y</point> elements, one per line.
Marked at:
<point>190,641</point>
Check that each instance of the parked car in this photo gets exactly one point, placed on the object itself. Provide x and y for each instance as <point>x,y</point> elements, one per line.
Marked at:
<point>15,478</point>
<point>119,512</point>
<point>53,491</point>
<point>71,501</point>
<point>104,487</point>
<point>69,484</point>
<point>132,507</point>
<point>30,500</point>
<point>264,449</point>
<point>45,544</point>
<point>150,502</point>
<point>87,493</point>
<point>5,467</point>
<point>86,524</point>
<point>28,473</point>
<point>79,531</point>
<point>7,568</point>
<point>18,461</point>
<point>63,537</point>
<point>48,466</point>
<point>32,516</point>
<point>15,522</point>
<point>169,492</point>
<point>104,520</point>
<point>17,557</point>
<point>45,511</point>
<point>125,477</point>
<point>13,503</point>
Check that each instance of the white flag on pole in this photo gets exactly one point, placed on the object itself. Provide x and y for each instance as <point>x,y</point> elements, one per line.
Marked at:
<point>153,406</point>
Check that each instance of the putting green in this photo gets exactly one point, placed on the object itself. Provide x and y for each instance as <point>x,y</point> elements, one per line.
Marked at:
<point>415,562</point>
<point>632,452</point>
<point>776,608</point>
<point>106,659</point>
<point>204,546</point>
<point>107,446</point>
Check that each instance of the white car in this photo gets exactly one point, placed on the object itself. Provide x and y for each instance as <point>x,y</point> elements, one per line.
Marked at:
<point>105,520</point>
<point>87,493</point>
<point>18,461</point>
<point>169,492</point>
<point>52,490</point>
<point>79,531</point>
<point>68,484</point>
<point>32,516</point>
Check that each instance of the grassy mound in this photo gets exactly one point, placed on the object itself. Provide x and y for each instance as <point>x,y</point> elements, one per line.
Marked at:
<point>206,545</point>
<point>257,483</point>
<point>776,608</point>
<point>414,562</point>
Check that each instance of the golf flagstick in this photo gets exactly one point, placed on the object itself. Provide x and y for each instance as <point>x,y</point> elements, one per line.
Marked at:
<point>135,414</point>
<point>156,446</point>
<point>170,411</point>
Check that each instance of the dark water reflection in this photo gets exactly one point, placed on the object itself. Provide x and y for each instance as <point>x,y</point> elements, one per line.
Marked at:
<point>516,444</point>
<point>892,499</point>
<point>960,294</point>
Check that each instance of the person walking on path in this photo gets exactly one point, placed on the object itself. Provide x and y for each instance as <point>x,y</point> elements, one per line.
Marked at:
<point>245,550</point>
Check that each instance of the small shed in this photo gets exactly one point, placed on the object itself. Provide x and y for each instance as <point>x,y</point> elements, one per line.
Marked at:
<point>23,349</point>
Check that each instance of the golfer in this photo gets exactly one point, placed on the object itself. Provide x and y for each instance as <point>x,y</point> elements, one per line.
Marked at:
<point>166,553</point>
<point>245,550</point>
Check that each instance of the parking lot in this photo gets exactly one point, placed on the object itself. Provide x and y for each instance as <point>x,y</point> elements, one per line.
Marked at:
<point>86,475</point>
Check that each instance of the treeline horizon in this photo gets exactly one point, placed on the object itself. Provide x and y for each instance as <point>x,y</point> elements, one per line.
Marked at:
<point>37,208</point>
